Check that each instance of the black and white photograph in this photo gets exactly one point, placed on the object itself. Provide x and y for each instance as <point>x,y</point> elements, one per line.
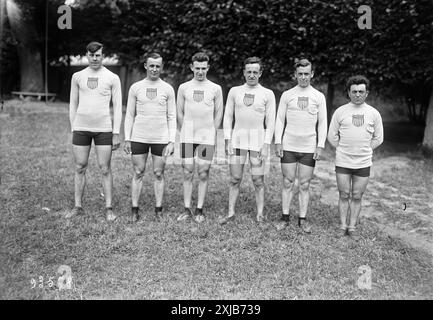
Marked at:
<point>218,154</point>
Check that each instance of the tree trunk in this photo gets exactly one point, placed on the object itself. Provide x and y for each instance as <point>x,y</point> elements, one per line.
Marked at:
<point>23,29</point>
<point>427,143</point>
<point>2,21</point>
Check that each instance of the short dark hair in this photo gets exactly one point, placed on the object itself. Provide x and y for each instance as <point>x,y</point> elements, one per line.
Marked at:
<point>303,62</point>
<point>358,79</point>
<point>153,55</point>
<point>94,46</point>
<point>200,57</point>
<point>252,60</point>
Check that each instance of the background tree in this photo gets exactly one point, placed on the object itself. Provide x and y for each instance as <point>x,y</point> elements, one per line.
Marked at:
<point>25,29</point>
<point>427,144</point>
<point>22,27</point>
<point>395,53</point>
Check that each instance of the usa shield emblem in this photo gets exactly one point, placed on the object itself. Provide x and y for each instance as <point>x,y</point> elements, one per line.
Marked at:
<point>92,83</point>
<point>198,95</point>
<point>151,93</point>
<point>302,102</point>
<point>248,99</point>
<point>358,120</point>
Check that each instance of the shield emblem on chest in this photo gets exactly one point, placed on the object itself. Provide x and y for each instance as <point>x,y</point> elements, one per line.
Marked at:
<point>302,103</point>
<point>198,95</point>
<point>92,83</point>
<point>248,99</point>
<point>358,120</point>
<point>151,93</point>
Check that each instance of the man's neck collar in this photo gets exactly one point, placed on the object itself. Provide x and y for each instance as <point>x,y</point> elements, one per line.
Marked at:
<point>200,81</point>
<point>358,105</point>
<point>96,70</point>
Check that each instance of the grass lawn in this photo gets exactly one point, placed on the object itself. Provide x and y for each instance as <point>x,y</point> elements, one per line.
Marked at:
<point>167,259</point>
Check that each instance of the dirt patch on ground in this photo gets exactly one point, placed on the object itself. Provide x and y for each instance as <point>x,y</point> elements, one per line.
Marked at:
<point>404,212</point>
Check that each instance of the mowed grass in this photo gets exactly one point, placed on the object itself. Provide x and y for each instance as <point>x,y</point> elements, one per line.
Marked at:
<point>168,259</point>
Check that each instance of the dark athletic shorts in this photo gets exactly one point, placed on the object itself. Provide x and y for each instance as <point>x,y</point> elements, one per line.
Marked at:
<point>302,158</point>
<point>84,138</point>
<point>362,172</point>
<point>243,152</point>
<point>204,151</point>
<point>141,148</point>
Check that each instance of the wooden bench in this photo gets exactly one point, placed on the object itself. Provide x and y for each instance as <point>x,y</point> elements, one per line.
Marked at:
<point>23,95</point>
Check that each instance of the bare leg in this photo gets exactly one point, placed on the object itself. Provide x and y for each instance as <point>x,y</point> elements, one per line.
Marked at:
<point>289,175</point>
<point>257,174</point>
<point>103,153</point>
<point>359,184</point>
<point>139,164</point>
<point>203,173</point>
<point>81,156</point>
<point>343,184</point>
<point>158,170</point>
<point>305,175</point>
<point>188,175</point>
<point>236,172</point>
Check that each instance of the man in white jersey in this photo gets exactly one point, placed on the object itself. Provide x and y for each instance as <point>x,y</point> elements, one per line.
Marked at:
<point>355,131</point>
<point>252,109</point>
<point>298,144</point>
<point>150,125</point>
<point>92,89</point>
<point>199,115</point>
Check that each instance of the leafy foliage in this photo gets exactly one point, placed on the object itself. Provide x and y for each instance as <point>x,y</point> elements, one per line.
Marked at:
<point>396,51</point>
<point>279,31</point>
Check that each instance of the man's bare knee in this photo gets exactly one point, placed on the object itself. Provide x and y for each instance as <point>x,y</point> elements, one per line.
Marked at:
<point>159,174</point>
<point>344,195</point>
<point>258,182</point>
<point>357,196</point>
<point>288,183</point>
<point>138,173</point>
<point>187,174</point>
<point>304,186</point>
<point>81,168</point>
<point>235,181</point>
<point>203,175</point>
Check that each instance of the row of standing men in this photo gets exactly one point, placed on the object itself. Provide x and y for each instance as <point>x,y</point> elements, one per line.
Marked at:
<point>250,122</point>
